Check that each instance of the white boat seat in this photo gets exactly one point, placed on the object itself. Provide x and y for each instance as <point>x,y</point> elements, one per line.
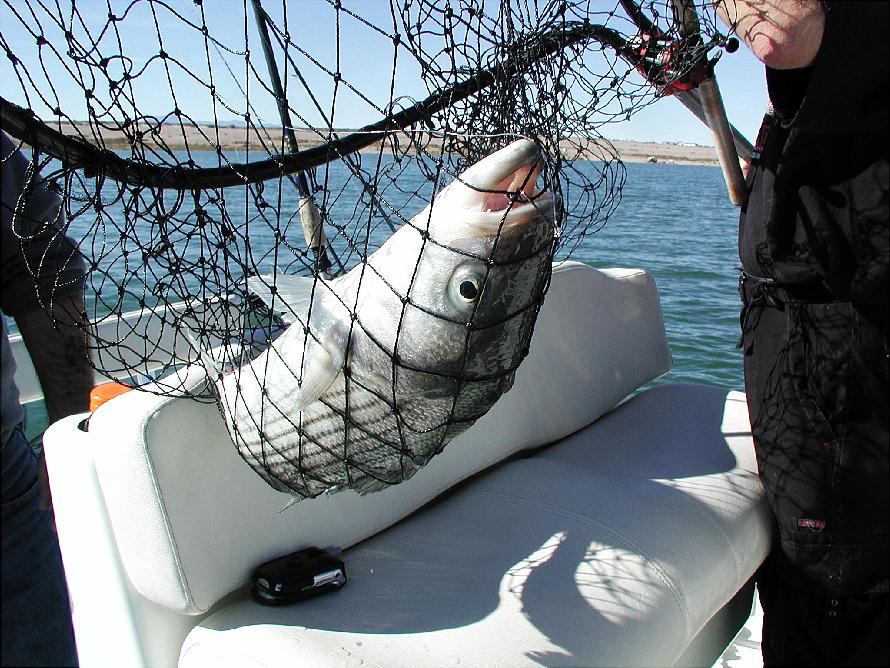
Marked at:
<point>615,545</point>
<point>571,557</point>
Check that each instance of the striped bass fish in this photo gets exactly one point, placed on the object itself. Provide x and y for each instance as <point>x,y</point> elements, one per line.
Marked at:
<point>384,365</point>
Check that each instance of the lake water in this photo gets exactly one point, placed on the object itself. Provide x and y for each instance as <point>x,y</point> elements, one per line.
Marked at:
<point>676,221</point>
<point>673,220</point>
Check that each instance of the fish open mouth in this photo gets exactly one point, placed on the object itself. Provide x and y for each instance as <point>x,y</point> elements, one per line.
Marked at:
<point>515,191</point>
<point>499,191</point>
<point>504,182</point>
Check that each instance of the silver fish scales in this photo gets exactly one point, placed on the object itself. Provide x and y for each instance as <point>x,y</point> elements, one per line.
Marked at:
<point>384,366</point>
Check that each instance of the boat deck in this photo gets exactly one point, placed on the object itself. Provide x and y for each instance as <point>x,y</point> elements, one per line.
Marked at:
<point>744,650</point>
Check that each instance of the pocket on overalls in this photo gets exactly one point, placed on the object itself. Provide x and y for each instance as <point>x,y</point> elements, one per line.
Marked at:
<point>800,457</point>
<point>822,361</point>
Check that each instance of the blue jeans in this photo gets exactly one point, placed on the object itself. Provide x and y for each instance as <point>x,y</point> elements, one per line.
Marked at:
<point>36,619</point>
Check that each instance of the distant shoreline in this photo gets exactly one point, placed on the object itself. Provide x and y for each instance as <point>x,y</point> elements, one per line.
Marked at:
<point>241,139</point>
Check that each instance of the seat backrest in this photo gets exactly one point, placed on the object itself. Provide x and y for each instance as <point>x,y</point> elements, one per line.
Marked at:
<point>191,519</point>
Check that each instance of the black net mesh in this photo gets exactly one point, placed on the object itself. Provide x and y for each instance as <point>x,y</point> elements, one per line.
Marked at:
<point>352,311</point>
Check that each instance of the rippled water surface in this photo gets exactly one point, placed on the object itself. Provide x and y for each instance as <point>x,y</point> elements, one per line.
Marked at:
<point>676,221</point>
<point>673,220</point>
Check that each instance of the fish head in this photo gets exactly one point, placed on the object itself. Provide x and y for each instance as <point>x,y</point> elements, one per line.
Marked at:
<point>470,272</point>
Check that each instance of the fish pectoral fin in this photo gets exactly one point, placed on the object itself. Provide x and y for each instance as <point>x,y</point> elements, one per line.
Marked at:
<point>323,360</point>
<point>314,348</point>
<point>290,297</point>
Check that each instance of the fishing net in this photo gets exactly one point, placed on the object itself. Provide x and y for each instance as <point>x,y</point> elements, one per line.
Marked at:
<point>229,221</point>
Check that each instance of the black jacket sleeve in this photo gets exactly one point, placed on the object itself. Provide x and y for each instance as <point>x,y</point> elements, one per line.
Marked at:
<point>39,263</point>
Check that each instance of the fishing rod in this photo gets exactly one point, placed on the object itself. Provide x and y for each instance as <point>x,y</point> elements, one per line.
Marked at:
<point>700,93</point>
<point>310,217</point>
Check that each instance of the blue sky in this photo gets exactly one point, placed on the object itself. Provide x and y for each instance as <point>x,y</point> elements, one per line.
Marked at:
<point>364,57</point>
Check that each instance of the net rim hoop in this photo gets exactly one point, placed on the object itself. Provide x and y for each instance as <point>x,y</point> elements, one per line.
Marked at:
<point>76,153</point>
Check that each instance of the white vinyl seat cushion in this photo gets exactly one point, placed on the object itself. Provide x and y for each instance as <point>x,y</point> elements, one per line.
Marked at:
<point>614,546</point>
<point>191,519</point>
<point>574,529</point>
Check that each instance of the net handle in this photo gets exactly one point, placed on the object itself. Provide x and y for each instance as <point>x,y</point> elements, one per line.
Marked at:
<point>705,102</point>
<point>714,111</point>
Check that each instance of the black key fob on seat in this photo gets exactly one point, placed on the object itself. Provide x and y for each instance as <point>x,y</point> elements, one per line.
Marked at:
<point>298,576</point>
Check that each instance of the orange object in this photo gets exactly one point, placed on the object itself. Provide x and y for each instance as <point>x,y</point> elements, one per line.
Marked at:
<point>104,392</point>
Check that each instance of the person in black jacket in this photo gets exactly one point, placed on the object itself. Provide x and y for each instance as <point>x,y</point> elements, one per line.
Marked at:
<point>813,243</point>
<point>41,271</point>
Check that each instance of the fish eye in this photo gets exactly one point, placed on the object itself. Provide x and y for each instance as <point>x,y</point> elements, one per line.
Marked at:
<point>468,289</point>
<point>465,286</point>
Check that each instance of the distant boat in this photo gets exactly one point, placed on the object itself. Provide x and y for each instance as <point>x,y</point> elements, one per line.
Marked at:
<point>651,158</point>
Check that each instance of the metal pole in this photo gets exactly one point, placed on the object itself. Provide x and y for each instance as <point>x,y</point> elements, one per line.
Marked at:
<point>715,116</point>
<point>692,101</point>
<point>714,110</point>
